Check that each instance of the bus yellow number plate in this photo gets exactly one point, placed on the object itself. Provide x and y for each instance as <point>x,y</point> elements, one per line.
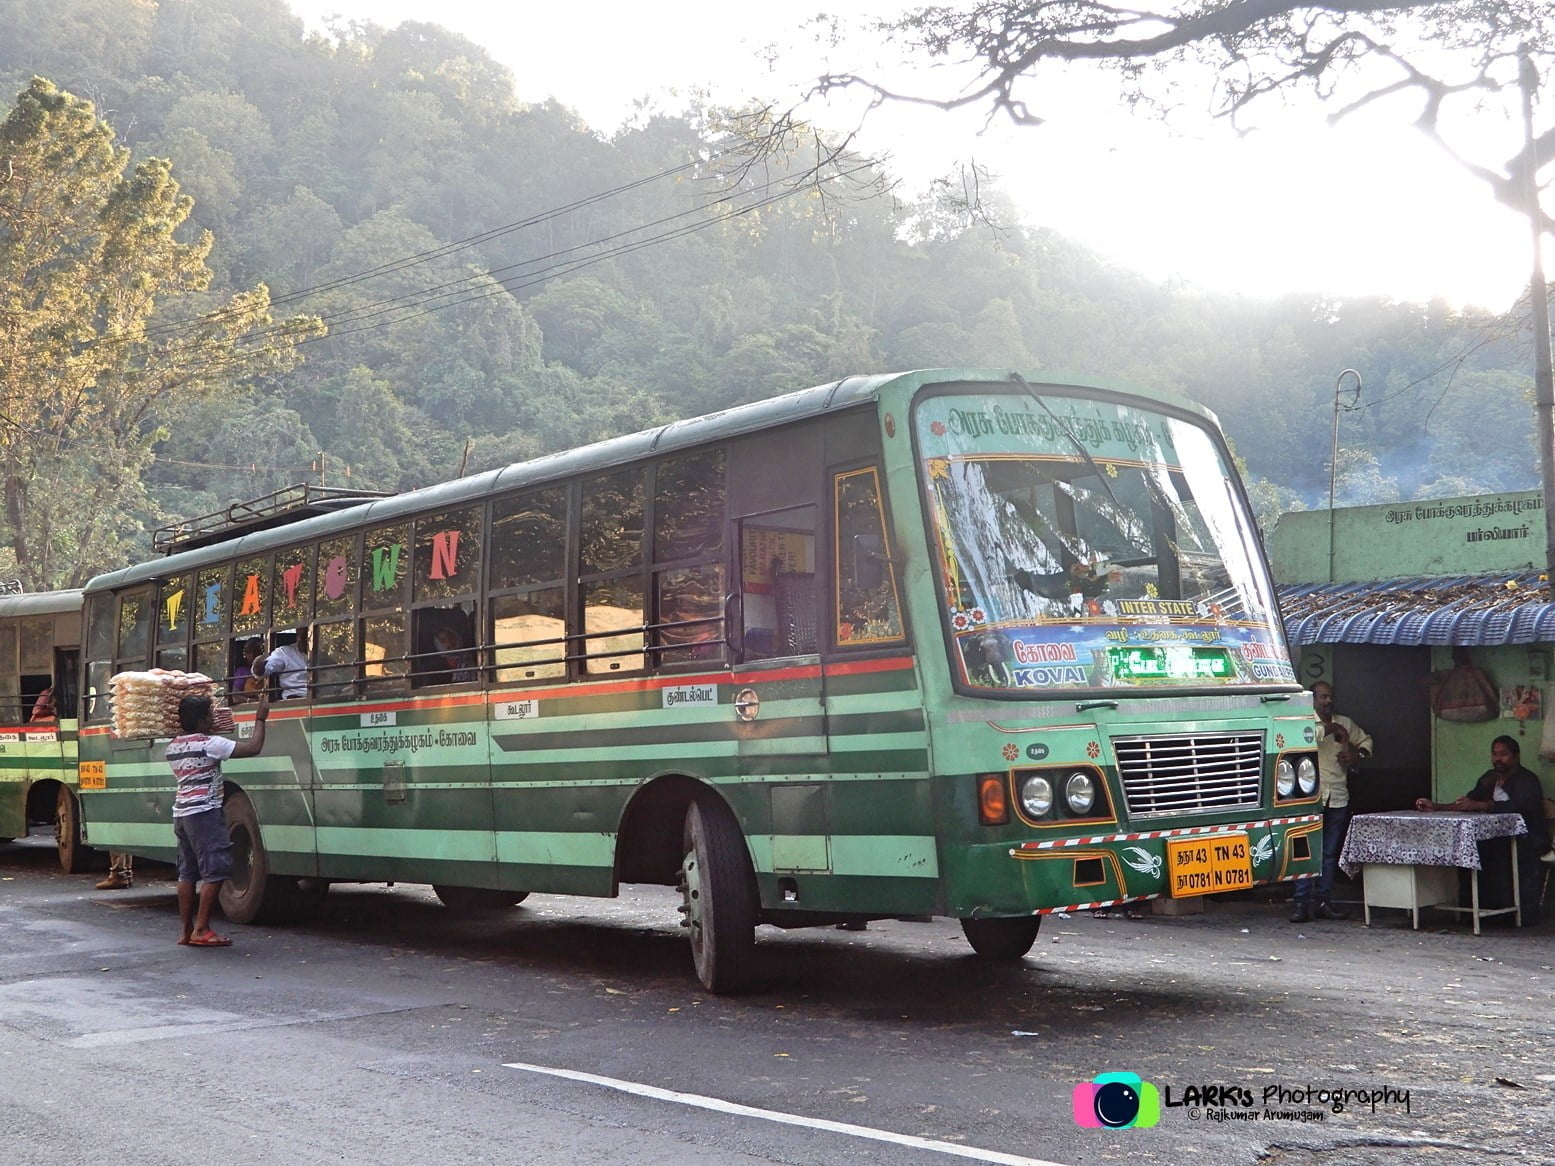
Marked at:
<point>94,774</point>
<point>1208,864</point>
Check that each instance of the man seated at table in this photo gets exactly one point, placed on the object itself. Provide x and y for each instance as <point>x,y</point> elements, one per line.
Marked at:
<point>1508,788</point>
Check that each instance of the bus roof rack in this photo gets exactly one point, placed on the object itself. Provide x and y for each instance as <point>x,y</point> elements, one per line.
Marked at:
<point>288,504</point>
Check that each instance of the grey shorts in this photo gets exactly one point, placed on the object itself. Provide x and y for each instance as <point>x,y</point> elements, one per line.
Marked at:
<point>204,847</point>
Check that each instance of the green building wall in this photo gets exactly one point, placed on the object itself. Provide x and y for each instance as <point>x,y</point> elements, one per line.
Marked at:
<point>1487,534</point>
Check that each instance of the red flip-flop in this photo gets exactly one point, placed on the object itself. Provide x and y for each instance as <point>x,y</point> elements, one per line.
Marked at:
<point>209,939</point>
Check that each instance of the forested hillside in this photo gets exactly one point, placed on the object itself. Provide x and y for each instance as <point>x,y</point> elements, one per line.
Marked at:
<point>498,279</point>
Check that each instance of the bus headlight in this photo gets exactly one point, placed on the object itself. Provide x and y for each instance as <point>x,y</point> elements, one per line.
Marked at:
<point>1306,775</point>
<point>1080,793</point>
<point>1284,778</point>
<point>1036,795</point>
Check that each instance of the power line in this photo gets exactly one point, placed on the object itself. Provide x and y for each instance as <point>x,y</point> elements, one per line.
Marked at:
<point>785,185</point>
<point>423,302</point>
<point>402,263</point>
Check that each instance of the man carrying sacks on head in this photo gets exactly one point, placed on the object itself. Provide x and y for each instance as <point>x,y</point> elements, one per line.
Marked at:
<point>199,821</point>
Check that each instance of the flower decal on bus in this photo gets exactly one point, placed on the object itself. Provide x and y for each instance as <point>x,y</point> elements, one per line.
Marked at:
<point>1143,861</point>
<point>1279,740</point>
<point>1092,750</point>
<point>1263,850</point>
<point>1011,752</point>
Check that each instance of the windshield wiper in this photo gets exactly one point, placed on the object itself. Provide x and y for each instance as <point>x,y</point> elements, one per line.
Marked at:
<point>1072,439</point>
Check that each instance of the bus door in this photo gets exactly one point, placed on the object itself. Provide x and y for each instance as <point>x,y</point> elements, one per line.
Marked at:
<point>40,721</point>
<point>59,756</point>
<point>779,690</point>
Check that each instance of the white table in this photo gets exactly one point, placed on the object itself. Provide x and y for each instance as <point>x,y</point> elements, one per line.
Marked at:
<point>1410,859</point>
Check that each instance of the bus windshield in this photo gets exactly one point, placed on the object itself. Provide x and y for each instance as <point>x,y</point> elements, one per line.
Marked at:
<point>1087,544</point>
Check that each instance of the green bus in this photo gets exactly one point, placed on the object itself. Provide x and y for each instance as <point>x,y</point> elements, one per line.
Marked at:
<point>40,653</point>
<point>951,643</point>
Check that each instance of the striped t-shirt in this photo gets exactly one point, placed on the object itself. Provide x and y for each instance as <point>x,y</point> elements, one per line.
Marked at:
<point>196,760</point>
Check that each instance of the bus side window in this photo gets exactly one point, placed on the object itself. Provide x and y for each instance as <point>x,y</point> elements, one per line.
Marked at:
<point>445,646</point>
<point>12,710</point>
<point>778,595</point>
<point>67,668</point>
<point>868,604</point>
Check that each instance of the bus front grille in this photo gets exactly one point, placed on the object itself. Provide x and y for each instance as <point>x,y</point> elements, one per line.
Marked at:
<point>1201,773</point>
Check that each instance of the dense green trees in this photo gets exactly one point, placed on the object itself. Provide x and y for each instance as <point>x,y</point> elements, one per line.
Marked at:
<point>499,278</point>
<point>104,333</point>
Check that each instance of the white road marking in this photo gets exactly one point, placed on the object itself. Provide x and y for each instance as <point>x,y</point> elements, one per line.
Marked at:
<point>792,1119</point>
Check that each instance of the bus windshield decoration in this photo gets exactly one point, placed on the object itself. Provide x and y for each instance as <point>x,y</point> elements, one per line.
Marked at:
<point>1090,544</point>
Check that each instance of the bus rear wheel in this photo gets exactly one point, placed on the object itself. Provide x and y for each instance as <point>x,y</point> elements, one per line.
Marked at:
<point>477,900</point>
<point>719,897</point>
<point>74,855</point>
<point>1002,939</point>
<point>250,892</point>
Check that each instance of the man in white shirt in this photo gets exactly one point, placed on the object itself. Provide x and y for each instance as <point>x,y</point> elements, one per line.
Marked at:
<point>1341,745</point>
<point>289,665</point>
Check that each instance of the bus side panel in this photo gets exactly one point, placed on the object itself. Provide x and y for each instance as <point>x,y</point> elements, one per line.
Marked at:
<point>133,810</point>
<point>279,784</point>
<point>858,835</point>
<point>403,793</point>
<point>561,780</point>
<point>15,780</point>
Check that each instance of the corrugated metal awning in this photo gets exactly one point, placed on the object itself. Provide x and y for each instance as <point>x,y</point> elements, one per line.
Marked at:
<point>1468,610</point>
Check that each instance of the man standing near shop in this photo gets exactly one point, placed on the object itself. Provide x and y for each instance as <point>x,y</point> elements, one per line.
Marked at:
<point>199,820</point>
<point>1341,745</point>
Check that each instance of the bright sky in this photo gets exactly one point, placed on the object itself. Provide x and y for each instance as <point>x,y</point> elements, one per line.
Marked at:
<point>1369,208</point>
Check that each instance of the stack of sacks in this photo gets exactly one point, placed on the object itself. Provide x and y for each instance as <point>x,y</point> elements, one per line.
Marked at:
<point>145,704</point>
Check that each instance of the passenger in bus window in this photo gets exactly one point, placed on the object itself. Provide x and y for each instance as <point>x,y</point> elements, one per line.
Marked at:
<point>245,684</point>
<point>43,707</point>
<point>289,664</point>
<point>453,659</point>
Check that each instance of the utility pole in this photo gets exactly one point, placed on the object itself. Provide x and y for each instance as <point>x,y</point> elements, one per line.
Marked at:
<point>1333,452</point>
<point>1539,305</point>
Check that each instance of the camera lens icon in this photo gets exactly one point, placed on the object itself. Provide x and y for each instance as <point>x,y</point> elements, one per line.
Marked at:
<point>1116,1101</point>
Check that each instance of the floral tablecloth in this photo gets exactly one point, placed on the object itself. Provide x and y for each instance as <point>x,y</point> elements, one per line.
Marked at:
<point>1423,838</point>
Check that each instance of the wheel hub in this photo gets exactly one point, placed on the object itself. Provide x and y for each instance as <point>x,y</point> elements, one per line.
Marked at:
<point>691,894</point>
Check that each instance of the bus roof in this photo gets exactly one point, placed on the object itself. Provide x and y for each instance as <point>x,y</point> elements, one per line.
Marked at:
<point>39,603</point>
<point>676,435</point>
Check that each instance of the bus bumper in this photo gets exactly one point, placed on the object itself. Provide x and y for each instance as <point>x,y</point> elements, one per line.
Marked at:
<point>1071,874</point>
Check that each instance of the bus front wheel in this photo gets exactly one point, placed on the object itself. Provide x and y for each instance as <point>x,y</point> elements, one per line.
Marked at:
<point>1002,939</point>
<point>719,897</point>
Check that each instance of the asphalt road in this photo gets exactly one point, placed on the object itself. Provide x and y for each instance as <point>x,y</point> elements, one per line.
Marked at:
<point>388,1030</point>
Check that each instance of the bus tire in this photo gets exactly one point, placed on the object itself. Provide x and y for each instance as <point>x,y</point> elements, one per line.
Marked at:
<point>250,893</point>
<point>74,855</point>
<point>477,900</point>
<point>1002,939</point>
<point>719,897</point>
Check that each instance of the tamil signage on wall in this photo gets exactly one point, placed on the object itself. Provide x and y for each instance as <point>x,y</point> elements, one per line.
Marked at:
<point>1438,536</point>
